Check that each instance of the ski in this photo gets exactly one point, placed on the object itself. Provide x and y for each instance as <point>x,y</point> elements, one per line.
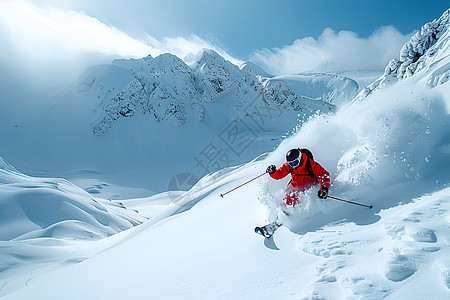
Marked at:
<point>268,230</point>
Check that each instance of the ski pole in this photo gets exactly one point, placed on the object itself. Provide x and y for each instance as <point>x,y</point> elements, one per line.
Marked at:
<point>221,195</point>
<point>369,206</point>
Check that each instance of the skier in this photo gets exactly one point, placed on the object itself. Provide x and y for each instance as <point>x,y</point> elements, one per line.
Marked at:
<point>305,173</point>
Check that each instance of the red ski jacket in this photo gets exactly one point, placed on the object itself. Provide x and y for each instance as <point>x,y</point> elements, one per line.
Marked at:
<point>301,179</point>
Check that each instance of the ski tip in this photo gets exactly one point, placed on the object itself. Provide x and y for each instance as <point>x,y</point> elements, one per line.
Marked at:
<point>221,196</point>
<point>259,231</point>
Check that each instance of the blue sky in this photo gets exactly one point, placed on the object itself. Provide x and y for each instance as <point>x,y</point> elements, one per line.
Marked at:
<point>283,36</point>
<point>243,26</point>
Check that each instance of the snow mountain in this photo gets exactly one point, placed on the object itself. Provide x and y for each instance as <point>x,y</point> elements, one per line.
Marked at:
<point>120,118</point>
<point>164,87</point>
<point>168,89</point>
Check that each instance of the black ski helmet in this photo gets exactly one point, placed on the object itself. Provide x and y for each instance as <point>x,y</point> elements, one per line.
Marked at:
<point>294,157</point>
<point>292,154</point>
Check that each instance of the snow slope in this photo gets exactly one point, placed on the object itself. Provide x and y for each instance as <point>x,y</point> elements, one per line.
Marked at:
<point>40,218</point>
<point>182,258</point>
<point>391,150</point>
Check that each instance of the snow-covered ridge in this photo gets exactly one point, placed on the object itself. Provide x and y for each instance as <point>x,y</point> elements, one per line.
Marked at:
<point>329,88</point>
<point>168,89</point>
<point>33,207</point>
<point>417,54</point>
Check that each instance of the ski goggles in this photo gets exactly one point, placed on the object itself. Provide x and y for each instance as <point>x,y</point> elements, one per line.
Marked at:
<point>294,163</point>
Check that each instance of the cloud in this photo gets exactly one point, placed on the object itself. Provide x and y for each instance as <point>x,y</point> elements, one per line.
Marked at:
<point>333,51</point>
<point>51,40</point>
<point>57,45</point>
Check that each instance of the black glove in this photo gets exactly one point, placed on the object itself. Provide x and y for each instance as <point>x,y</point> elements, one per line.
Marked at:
<point>271,169</point>
<point>323,193</point>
